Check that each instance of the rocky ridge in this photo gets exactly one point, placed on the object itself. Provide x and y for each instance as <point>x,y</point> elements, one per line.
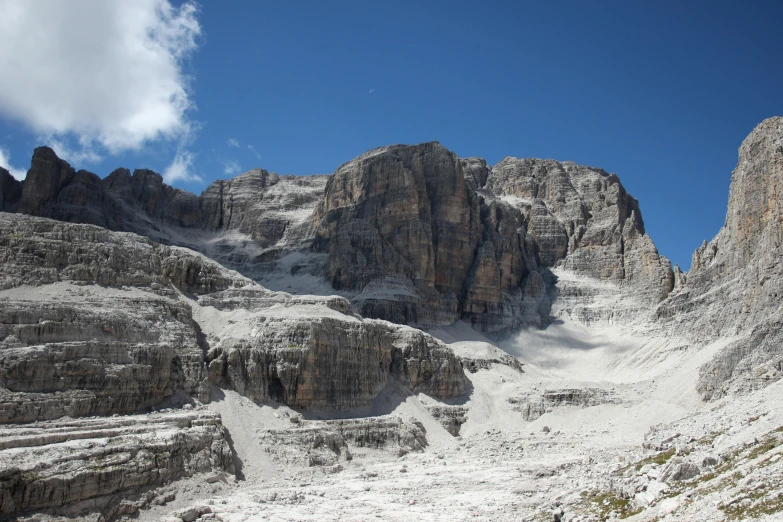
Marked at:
<point>83,465</point>
<point>411,234</point>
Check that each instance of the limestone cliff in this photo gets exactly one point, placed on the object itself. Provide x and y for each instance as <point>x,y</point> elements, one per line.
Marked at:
<point>264,206</point>
<point>735,284</point>
<point>94,322</point>
<point>582,218</point>
<point>410,234</point>
<point>424,237</point>
<point>101,323</point>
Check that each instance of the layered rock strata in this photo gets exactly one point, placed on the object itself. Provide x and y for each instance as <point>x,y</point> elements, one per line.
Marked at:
<point>412,234</point>
<point>534,405</point>
<point>264,208</point>
<point>327,443</point>
<point>428,238</point>
<point>126,338</point>
<point>314,358</point>
<point>95,322</point>
<point>583,220</point>
<point>75,467</point>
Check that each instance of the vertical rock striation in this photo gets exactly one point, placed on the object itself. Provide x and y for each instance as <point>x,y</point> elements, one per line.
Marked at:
<point>412,234</point>
<point>735,284</point>
<point>582,219</point>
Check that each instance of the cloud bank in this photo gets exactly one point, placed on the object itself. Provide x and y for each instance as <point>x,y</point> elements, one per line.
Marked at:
<point>107,75</point>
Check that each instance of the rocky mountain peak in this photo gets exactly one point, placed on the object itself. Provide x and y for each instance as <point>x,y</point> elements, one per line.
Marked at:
<point>747,248</point>
<point>735,284</point>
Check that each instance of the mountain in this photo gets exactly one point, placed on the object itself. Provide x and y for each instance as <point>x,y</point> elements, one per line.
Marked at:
<point>411,234</point>
<point>735,285</point>
<point>510,329</point>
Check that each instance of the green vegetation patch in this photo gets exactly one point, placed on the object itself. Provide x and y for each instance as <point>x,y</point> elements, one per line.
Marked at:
<point>603,502</point>
<point>755,504</point>
<point>659,458</point>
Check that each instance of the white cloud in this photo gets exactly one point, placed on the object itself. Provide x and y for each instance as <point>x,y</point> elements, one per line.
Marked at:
<point>5,162</point>
<point>254,151</point>
<point>108,73</point>
<point>181,169</point>
<point>85,153</point>
<point>232,167</point>
<point>371,91</point>
<point>232,142</point>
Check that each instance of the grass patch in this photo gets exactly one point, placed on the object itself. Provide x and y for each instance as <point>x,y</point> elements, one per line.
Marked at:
<point>659,459</point>
<point>763,447</point>
<point>758,506</point>
<point>602,503</point>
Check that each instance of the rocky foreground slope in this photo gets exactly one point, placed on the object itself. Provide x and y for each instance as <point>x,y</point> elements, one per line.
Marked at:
<point>132,354</point>
<point>94,322</point>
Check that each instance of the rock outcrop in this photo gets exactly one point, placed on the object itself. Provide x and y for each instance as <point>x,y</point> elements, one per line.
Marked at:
<point>424,237</point>
<point>264,207</point>
<point>112,331</point>
<point>326,443</point>
<point>313,358</point>
<point>91,322</point>
<point>101,323</point>
<point>404,212</point>
<point>534,405</point>
<point>583,220</point>
<point>77,467</point>
<point>735,284</point>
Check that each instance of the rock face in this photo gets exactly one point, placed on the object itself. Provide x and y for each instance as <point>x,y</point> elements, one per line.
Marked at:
<point>313,358</point>
<point>265,207</point>
<point>88,340</point>
<point>95,322</point>
<point>535,405</point>
<point>411,234</point>
<point>403,213</point>
<point>81,466</point>
<point>735,285</point>
<point>126,338</point>
<point>427,238</point>
<point>582,219</point>
<point>10,191</point>
<point>326,443</point>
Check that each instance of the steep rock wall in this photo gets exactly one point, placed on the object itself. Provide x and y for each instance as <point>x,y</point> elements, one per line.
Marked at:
<point>735,284</point>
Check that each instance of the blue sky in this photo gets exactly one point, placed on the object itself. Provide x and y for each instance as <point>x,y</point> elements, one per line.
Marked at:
<point>660,93</point>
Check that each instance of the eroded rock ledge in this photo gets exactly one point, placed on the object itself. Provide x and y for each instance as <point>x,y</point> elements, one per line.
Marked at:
<point>94,322</point>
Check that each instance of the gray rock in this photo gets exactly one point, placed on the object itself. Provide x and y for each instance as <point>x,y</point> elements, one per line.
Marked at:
<point>709,462</point>
<point>679,469</point>
<point>95,462</point>
<point>125,338</point>
<point>326,443</point>
<point>735,283</point>
<point>534,405</point>
<point>450,417</point>
<point>332,363</point>
<point>413,234</point>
